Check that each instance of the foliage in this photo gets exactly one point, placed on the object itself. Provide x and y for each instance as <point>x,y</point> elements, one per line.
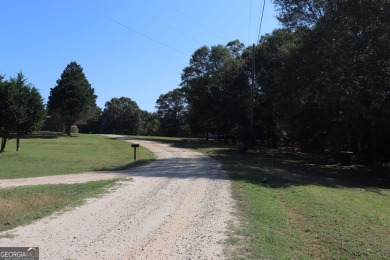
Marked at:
<point>5,120</point>
<point>172,111</point>
<point>322,83</point>
<point>121,116</point>
<point>150,123</point>
<point>72,100</point>
<point>196,85</point>
<point>21,108</point>
<point>216,86</point>
<point>93,124</point>
<point>342,80</point>
<point>298,13</point>
<point>327,87</point>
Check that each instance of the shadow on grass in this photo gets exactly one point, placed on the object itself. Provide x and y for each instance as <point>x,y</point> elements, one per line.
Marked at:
<point>42,135</point>
<point>279,169</point>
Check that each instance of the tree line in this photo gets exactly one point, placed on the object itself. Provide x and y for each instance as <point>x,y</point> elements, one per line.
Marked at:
<point>322,82</point>
<point>72,103</point>
<point>123,116</point>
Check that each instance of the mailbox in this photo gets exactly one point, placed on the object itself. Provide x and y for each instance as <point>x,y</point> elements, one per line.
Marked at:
<point>135,150</point>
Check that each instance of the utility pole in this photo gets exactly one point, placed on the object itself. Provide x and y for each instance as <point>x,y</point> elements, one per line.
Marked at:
<point>253,85</point>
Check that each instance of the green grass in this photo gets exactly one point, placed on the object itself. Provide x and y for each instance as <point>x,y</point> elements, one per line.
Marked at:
<point>22,205</point>
<point>49,154</point>
<point>299,206</point>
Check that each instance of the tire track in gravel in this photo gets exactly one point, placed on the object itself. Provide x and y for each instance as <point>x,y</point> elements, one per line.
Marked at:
<point>176,207</point>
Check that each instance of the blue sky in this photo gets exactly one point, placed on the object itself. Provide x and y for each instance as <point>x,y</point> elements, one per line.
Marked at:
<point>132,48</point>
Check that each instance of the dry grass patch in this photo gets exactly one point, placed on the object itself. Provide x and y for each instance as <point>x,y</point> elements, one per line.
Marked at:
<point>22,205</point>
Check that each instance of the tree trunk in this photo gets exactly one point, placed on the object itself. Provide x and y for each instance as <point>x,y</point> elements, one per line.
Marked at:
<point>17,142</point>
<point>3,142</point>
<point>68,130</point>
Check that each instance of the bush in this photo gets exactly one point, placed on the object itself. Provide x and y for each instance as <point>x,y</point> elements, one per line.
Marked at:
<point>74,129</point>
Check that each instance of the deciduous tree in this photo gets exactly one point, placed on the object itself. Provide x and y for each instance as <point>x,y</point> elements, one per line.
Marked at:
<point>121,116</point>
<point>172,111</point>
<point>213,84</point>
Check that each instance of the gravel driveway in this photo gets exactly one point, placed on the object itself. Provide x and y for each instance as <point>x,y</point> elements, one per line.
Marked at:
<point>177,207</point>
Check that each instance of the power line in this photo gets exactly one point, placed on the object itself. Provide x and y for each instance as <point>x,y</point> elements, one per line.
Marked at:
<point>171,27</point>
<point>192,20</point>
<point>254,68</point>
<point>135,31</point>
<point>261,22</point>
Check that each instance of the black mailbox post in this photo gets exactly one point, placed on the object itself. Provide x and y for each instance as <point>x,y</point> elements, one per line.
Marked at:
<point>135,150</point>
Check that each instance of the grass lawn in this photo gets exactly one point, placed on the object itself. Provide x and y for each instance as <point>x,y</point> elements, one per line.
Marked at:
<point>49,154</point>
<point>306,209</point>
<point>300,206</point>
<point>22,205</point>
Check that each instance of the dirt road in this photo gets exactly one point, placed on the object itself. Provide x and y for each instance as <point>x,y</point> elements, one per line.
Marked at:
<point>175,208</point>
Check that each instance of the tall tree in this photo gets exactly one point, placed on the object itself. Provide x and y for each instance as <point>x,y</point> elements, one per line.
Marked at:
<point>172,110</point>
<point>28,107</point>
<point>5,115</point>
<point>276,106</point>
<point>196,82</point>
<point>342,74</point>
<point>21,109</point>
<point>232,97</point>
<point>297,13</point>
<point>72,98</point>
<point>206,89</point>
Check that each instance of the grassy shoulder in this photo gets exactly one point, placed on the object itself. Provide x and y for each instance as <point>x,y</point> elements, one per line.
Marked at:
<point>299,206</point>
<point>22,205</point>
<point>49,154</point>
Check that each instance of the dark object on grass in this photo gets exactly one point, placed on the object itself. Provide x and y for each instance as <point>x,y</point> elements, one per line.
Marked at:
<point>135,150</point>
